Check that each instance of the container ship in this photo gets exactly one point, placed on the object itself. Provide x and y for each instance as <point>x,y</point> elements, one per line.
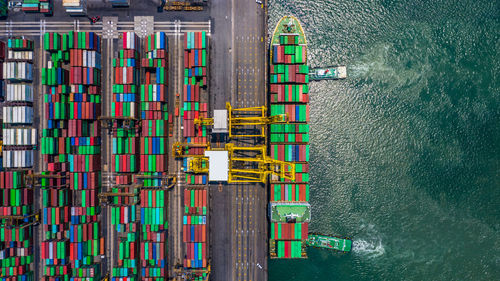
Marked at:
<point>289,210</point>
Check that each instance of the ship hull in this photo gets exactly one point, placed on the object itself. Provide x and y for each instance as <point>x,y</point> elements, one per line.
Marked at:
<point>289,94</point>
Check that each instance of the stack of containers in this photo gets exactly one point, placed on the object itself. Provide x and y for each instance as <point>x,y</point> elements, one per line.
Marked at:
<point>153,111</point>
<point>195,216</point>
<point>84,104</point>
<point>16,243</point>
<point>289,94</point>
<point>195,58</point>
<point>56,196</point>
<point>2,59</point>
<point>153,248</point>
<point>18,110</point>
<point>55,247</point>
<point>37,6</point>
<point>194,231</point>
<point>153,160</point>
<point>194,95</point>
<point>71,147</point>
<point>124,152</point>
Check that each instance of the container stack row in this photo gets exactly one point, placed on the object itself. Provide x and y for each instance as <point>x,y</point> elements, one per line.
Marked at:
<point>154,106</point>
<point>289,94</point>
<point>37,6</point>
<point>125,160</point>
<point>153,157</point>
<point>86,241</point>
<point>16,239</point>
<point>194,94</point>
<point>2,98</point>
<point>154,226</point>
<point>195,214</point>
<point>194,231</point>
<point>56,195</point>
<point>195,58</point>
<point>2,60</point>
<point>71,146</point>
<point>19,138</point>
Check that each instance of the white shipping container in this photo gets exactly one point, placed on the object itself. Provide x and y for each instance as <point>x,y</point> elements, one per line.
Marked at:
<point>96,59</point>
<point>91,59</point>
<point>124,75</point>
<point>125,215</point>
<point>18,71</point>
<point>131,40</point>
<point>19,92</point>
<point>18,114</point>
<point>20,55</point>
<point>19,136</point>
<point>17,158</point>
<point>85,59</point>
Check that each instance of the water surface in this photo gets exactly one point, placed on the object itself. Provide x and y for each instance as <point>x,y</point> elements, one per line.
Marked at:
<point>405,153</point>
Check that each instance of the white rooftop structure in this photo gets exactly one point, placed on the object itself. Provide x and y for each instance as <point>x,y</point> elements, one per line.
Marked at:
<point>220,121</point>
<point>218,165</point>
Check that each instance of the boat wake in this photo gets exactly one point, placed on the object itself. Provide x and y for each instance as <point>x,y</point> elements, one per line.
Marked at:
<point>356,71</point>
<point>369,243</point>
<point>370,249</point>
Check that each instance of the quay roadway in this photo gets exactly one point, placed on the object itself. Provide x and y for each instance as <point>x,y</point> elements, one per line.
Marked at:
<point>175,200</point>
<point>238,221</point>
<point>103,8</point>
<point>36,27</point>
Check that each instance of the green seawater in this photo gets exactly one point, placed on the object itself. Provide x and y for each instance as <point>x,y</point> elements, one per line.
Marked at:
<point>405,153</point>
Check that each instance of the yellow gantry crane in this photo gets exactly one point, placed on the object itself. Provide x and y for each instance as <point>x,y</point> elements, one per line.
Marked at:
<point>167,181</point>
<point>31,179</point>
<point>245,117</point>
<point>130,190</point>
<point>105,196</point>
<point>123,122</point>
<point>241,169</point>
<point>9,220</point>
<point>179,149</point>
<point>187,274</point>
<point>247,169</point>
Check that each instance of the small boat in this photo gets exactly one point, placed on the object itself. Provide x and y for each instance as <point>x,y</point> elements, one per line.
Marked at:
<point>329,242</point>
<point>328,73</point>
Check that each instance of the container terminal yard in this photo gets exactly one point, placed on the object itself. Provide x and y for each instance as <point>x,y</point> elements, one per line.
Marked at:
<point>141,140</point>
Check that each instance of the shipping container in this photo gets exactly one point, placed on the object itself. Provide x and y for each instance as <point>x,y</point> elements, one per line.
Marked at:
<point>18,71</point>
<point>71,146</point>
<point>19,136</point>
<point>18,158</point>
<point>19,92</point>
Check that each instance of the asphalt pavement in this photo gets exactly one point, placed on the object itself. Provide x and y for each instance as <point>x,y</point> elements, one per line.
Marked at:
<point>104,8</point>
<point>238,222</point>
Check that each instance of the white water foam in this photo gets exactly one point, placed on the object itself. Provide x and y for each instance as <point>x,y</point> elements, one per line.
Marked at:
<point>359,70</point>
<point>369,242</point>
<point>370,249</point>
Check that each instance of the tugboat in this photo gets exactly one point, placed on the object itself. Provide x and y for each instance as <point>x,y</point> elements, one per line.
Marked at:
<point>329,242</point>
<point>328,73</point>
